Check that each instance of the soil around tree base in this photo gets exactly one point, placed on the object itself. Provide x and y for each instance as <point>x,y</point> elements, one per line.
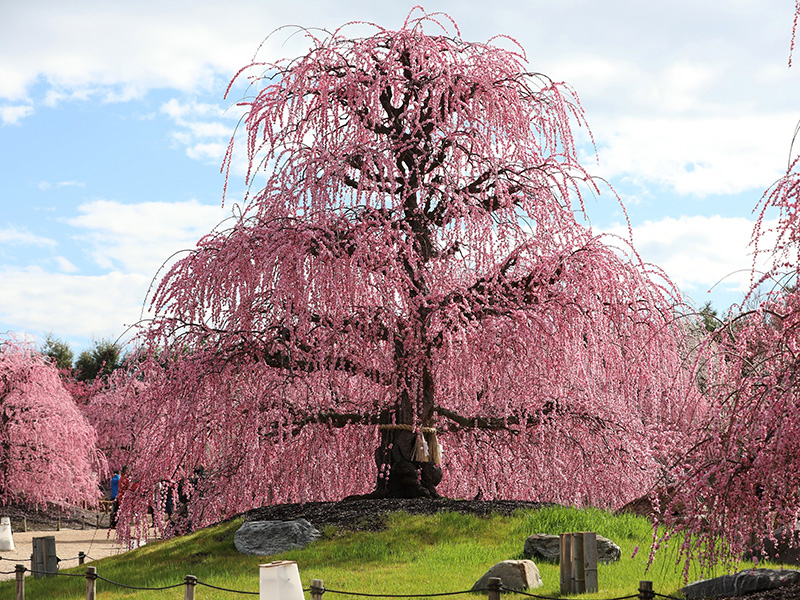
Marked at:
<point>786,592</point>
<point>362,514</point>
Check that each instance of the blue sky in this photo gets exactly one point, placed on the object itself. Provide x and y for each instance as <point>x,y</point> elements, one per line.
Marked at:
<point>113,125</point>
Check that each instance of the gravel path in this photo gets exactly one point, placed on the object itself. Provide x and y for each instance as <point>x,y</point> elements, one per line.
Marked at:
<point>95,543</point>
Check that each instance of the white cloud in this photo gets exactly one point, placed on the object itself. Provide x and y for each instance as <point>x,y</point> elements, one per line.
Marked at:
<point>682,86</point>
<point>65,265</point>
<point>205,140</point>
<point>213,153</point>
<point>46,185</point>
<point>72,306</point>
<point>139,238</point>
<point>180,111</point>
<point>128,241</point>
<point>698,156</point>
<point>699,253</point>
<point>24,237</point>
<point>119,51</point>
<point>13,114</point>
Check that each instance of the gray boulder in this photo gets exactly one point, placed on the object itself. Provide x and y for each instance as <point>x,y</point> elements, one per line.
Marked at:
<point>263,538</point>
<point>516,575</point>
<point>541,546</point>
<point>738,584</point>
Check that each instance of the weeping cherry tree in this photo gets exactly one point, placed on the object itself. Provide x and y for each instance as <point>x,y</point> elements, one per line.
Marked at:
<point>409,302</point>
<point>47,447</point>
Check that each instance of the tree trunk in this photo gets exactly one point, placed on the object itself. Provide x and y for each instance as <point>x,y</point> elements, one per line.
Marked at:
<point>399,475</point>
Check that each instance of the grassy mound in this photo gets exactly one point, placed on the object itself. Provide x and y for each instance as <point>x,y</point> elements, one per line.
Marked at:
<point>413,554</point>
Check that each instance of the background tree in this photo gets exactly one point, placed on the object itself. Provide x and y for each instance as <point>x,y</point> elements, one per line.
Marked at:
<point>411,273</point>
<point>62,355</point>
<point>740,482</point>
<point>100,361</point>
<point>709,317</point>
<point>47,447</point>
<point>112,418</point>
<point>59,351</point>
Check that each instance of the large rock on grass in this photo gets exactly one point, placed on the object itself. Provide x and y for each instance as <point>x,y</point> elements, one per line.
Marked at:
<point>264,538</point>
<point>516,575</point>
<point>542,546</point>
<point>739,584</point>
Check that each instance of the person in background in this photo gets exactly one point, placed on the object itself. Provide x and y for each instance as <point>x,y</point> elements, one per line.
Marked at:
<point>114,497</point>
<point>123,485</point>
<point>124,481</point>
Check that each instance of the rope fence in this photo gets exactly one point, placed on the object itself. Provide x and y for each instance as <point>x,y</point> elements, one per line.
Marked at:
<point>493,590</point>
<point>81,558</point>
<point>69,523</point>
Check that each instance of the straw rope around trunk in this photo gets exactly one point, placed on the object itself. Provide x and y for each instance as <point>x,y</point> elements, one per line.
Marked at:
<point>426,448</point>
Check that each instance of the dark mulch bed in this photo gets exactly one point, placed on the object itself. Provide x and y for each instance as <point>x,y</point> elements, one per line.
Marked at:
<point>787,592</point>
<point>371,514</point>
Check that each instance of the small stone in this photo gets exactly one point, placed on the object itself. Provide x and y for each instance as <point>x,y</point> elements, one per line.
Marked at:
<point>541,546</point>
<point>515,574</point>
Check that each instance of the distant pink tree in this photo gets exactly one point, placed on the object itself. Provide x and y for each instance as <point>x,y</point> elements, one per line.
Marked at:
<point>47,447</point>
<point>112,413</point>
<point>737,488</point>
<point>739,483</point>
<point>408,305</point>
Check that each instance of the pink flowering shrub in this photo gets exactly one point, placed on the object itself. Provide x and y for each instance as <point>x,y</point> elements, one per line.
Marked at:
<point>47,447</point>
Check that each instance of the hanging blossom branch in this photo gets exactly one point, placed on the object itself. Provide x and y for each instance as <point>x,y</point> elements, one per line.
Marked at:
<point>737,486</point>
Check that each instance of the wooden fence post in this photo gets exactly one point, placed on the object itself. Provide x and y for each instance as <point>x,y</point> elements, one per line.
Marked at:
<point>24,523</point>
<point>81,558</point>
<point>590,562</point>
<point>578,563</point>
<point>91,583</point>
<point>646,590</point>
<point>317,589</point>
<point>58,524</point>
<point>494,585</point>
<point>578,574</point>
<point>44,561</point>
<point>191,583</point>
<point>19,571</point>
<point>565,564</point>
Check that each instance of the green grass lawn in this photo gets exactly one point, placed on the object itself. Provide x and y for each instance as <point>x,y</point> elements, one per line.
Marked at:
<point>446,552</point>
